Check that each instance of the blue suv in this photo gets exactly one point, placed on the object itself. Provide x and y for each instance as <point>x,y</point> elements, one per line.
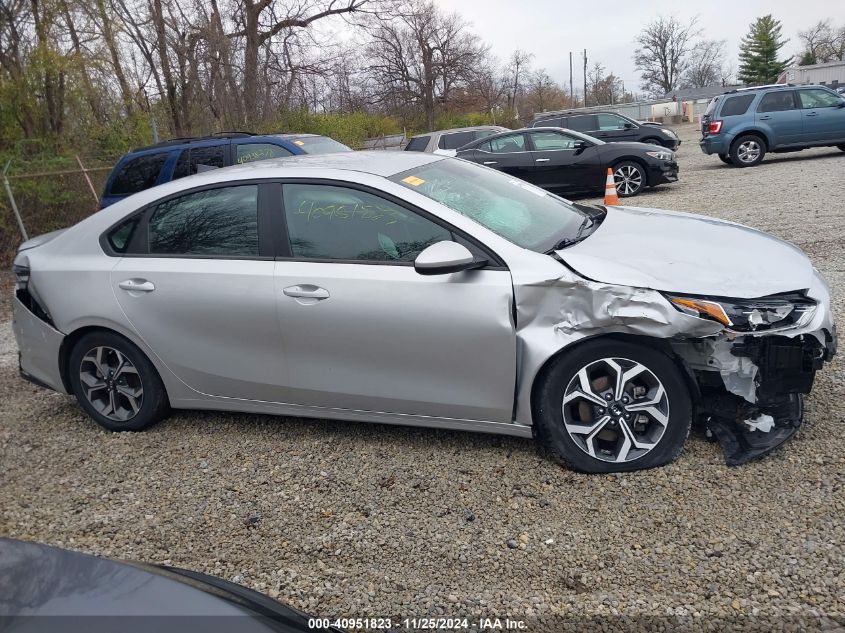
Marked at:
<point>742,125</point>
<point>156,164</point>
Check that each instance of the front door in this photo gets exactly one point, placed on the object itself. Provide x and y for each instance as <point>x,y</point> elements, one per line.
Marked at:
<point>823,115</point>
<point>362,330</point>
<point>560,164</point>
<point>196,285</point>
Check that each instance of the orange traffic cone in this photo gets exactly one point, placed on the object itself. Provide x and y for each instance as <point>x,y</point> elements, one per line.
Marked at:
<point>610,196</point>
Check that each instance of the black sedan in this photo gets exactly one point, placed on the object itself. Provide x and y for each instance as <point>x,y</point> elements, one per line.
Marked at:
<point>564,161</point>
<point>49,589</point>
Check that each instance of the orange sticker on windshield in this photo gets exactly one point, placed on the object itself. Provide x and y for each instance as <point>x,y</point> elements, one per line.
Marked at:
<point>300,143</point>
<point>413,180</point>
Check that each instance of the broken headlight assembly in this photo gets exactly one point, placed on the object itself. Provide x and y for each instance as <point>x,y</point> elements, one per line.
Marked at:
<point>749,315</point>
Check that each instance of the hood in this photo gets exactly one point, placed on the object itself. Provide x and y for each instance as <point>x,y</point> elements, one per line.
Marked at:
<point>686,253</point>
<point>632,146</point>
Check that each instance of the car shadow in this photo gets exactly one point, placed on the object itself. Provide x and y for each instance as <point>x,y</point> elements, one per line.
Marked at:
<point>772,158</point>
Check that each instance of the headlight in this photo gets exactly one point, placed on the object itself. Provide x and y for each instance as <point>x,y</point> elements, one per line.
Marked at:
<point>661,155</point>
<point>749,315</point>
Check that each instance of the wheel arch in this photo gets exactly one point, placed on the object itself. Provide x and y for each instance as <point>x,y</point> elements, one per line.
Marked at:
<point>631,159</point>
<point>660,344</point>
<point>751,132</point>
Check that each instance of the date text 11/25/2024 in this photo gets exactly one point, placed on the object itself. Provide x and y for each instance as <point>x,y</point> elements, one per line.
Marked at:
<point>419,624</point>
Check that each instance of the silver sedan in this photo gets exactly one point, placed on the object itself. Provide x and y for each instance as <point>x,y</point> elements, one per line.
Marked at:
<point>407,288</point>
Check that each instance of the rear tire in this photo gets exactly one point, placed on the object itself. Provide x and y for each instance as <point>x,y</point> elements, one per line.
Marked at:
<point>725,159</point>
<point>747,151</point>
<point>630,178</point>
<point>653,396</point>
<point>842,147</point>
<point>115,383</point>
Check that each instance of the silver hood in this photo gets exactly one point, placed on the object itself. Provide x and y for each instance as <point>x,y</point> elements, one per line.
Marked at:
<point>686,253</point>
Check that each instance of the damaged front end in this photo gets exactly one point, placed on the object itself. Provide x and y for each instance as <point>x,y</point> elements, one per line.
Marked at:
<point>754,375</point>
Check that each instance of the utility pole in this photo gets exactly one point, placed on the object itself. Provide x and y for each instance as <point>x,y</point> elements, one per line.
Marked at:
<point>571,86</point>
<point>585,77</point>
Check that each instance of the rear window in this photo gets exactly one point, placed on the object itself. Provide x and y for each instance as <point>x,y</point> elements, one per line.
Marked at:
<point>138,174</point>
<point>417,144</point>
<point>734,106</point>
<point>711,107</point>
<point>319,145</point>
<point>456,140</point>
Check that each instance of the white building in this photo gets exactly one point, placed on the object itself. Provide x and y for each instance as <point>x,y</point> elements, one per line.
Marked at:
<point>830,74</point>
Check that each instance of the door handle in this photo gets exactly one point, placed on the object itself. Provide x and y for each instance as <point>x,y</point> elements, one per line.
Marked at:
<point>812,114</point>
<point>137,285</point>
<point>306,291</point>
<point>490,162</point>
<point>542,160</point>
<point>765,118</point>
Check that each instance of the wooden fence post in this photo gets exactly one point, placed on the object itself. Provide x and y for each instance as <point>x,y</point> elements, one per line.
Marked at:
<point>12,202</point>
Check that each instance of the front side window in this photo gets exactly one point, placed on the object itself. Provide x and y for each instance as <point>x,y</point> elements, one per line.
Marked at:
<point>251,152</point>
<point>525,215</point>
<point>138,174</point>
<point>339,223</point>
<point>610,122</point>
<point>545,141</point>
<point>777,101</point>
<point>222,222</point>
<point>417,144</point>
<point>456,140</point>
<point>734,106</point>
<point>506,144</point>
<point>818,99</point>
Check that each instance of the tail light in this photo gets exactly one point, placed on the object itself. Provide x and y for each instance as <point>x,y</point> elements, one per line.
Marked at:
<point>714,127</point>
<point>21,276</point>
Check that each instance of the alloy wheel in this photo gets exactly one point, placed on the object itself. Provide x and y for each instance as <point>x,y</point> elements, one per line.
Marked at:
<point>111,383</point>
<point>628,179</point>
<point>748,151</point>
<point>615,410</point>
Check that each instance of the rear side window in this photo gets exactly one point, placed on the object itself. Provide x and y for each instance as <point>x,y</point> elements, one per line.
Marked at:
<point>456,140</point>
<point>552,122</point>
<point>198,159</point>
<point>583,123</point>
<point>777,101</point>
<point>251,152</point>
<point>222,222</point>
<point>734,106</point>
<point>506,144</point>
<point>417,144</point>
<point>138,174</point>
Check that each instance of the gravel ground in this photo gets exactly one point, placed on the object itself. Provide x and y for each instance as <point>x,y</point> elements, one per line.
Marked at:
<point>345,519</point>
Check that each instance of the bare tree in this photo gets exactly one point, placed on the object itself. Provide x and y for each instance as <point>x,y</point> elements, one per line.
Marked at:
<point>518,67</point>
<point>662,54</point>
<point>603,89</point>
<point>822,43</point>
<point>544,93</point>
<point>706,64</point>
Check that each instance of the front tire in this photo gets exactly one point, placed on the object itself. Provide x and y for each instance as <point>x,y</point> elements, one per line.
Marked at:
<point>747,151</point>
<point>630,178</point>
<point>115,383</point>
<point>613,406</point>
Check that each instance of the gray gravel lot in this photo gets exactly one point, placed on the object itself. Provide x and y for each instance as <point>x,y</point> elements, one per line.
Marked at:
<point>346,519</point>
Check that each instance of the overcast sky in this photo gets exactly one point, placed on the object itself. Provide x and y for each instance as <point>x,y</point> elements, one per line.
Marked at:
<point>551,28</point>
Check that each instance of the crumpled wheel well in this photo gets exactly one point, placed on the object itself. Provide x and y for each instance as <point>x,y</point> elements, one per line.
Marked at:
<point>646,341</point>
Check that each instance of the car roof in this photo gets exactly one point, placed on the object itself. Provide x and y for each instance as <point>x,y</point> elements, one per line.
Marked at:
<point>547,115</point>
<point>471,128</point>
<point>222,136</point>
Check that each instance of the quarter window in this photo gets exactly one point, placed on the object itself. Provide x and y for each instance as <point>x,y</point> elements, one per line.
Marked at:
<point>197,159</point>
<point>506,144</point>
<point>545,141</point>
<point>222,222</point>
<point>338,223</point>
<point>818,99</point>
<point>138,174</point>
<point>250,152</point>
<point>777,101</point>
<point>734,106</point>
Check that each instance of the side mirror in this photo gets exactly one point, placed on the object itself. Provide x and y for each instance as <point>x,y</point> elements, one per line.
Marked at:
<point>445,257</point>
<point>579,145</point>
<point>629,126</point>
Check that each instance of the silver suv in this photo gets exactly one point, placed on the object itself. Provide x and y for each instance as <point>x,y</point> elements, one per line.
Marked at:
<point>446,141</point>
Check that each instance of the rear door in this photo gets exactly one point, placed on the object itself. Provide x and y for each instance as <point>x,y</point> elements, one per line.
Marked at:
<point>508,154</point>
<point>363,331</point>
<point>558,164</point>
<point>196,284</point>
<point>822,114</point>
<point>778,115</point>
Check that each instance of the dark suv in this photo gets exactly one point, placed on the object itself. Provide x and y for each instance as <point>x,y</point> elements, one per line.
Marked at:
<point>610,127</point>
<point>160,163</point>
<point>742,125</point>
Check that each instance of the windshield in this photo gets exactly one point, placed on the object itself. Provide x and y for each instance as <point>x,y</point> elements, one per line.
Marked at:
<point>319,145</point>
<point>521,213</point>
